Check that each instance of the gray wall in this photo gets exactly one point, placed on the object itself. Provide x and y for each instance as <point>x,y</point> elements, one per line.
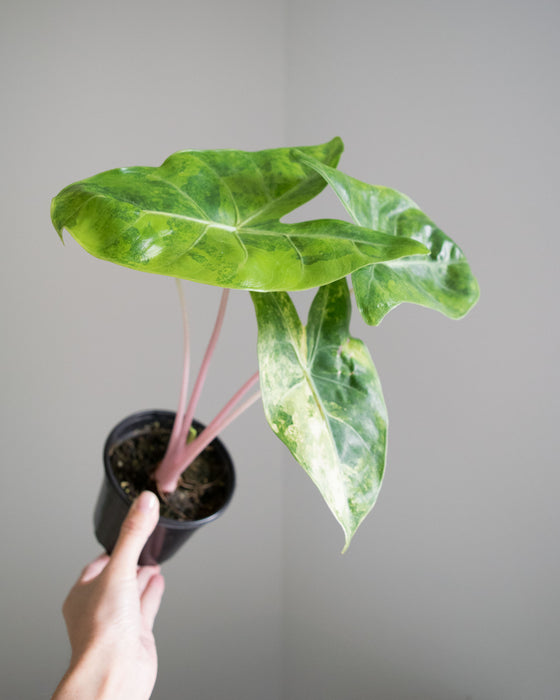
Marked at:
<point>92,86</point>
<point>449,590</point>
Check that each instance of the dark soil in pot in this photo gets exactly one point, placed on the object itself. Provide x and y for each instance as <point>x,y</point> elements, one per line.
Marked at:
<point>202,489</point>
<point>132,452</point>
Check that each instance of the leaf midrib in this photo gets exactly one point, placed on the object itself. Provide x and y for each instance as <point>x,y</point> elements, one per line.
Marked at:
<point>210,223</point>
<point>271,201</point>
<point>311,384</point>
<point>303,365</point>
<point>418,260</point>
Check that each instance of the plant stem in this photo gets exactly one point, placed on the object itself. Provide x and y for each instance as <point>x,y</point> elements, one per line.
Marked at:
<point>222,415</point>
<point>169,470</point>
<point>177,425</point>
<point>167,474</point>
<point>226,416</point>
<point>189,415</point>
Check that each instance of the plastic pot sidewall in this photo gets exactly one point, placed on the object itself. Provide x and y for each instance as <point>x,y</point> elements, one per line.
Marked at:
<point>113,503</point>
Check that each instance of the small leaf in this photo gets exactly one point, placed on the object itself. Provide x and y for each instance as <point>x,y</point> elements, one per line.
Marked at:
<point>213,217</point>
<point>441,280</point>
<point>322,397</point>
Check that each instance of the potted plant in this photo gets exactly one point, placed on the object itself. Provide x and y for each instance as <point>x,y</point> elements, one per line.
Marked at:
<point>215,217</point>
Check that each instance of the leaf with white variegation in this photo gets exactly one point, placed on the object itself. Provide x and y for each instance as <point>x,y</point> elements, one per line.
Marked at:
<point>322,397</point>
<point>441,280</point>
<point>214,217</point>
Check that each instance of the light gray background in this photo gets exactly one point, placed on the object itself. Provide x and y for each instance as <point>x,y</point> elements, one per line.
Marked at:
<point>450,588</point>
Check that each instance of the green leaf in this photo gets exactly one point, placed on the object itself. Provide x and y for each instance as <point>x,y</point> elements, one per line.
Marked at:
<point>441,280</point>
<point>213,217</point>
<point>322,397</point>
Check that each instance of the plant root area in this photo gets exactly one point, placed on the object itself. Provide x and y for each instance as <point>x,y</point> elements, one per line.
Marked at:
<point>202,488</point>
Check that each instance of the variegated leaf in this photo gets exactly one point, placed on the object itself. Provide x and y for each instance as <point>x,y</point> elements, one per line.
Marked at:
<point>323,398</point>
<point>441,280</point>
<point>214,217</point>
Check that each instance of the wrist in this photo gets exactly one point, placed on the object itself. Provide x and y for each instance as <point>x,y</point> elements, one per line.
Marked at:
<point>93,677</point>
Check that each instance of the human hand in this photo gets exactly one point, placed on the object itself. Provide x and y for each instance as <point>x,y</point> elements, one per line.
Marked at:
<point>109,615</point>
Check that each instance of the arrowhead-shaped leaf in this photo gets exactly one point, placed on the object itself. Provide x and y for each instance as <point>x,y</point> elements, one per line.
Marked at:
<point>214,217</point>
<point>322,397</point>
<point>441,280</point>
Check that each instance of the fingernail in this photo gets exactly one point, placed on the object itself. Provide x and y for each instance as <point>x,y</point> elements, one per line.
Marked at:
<point>146,501</point>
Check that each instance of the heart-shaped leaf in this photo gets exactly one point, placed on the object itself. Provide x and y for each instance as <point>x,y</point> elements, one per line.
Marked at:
<point>213,217</point>
<point>441,280</point>
<point>322,397</point>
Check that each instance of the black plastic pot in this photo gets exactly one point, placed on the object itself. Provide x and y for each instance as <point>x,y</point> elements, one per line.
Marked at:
<point>113,503</point>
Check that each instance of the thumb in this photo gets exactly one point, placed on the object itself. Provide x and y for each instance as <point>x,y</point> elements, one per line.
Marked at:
<point>135,530</point>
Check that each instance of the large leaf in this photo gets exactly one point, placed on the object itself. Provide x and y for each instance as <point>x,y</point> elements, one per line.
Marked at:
<point>322,397</point>
<point>441,280</point>
<point>213,217</point>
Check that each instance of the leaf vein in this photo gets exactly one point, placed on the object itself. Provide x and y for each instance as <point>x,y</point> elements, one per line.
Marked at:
<point>224,183</point>
<point>182,192</point>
